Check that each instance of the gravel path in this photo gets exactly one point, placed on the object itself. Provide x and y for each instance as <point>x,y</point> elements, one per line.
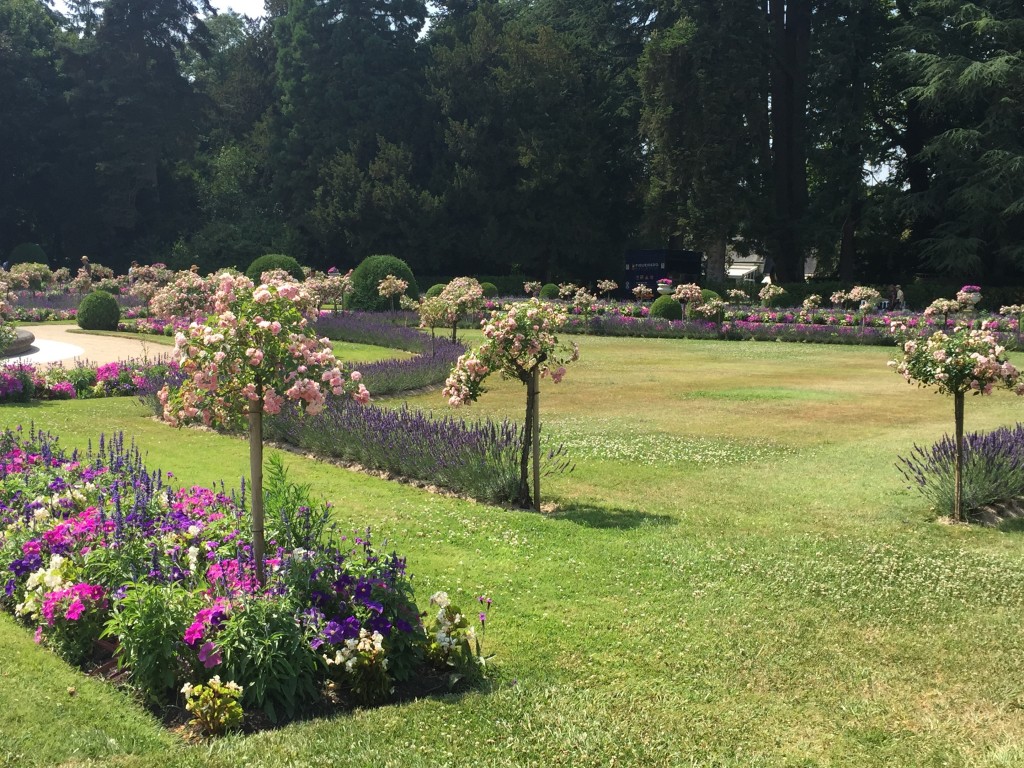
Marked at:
<point>57,343</point>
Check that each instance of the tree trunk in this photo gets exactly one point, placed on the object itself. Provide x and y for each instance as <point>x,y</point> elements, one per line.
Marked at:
<point>256,487</point>
<point>715,267</point>
<point>523,499</point>
<point>535,382</point>
<point>455,329</point>
<point>958,471</point>
<point>790,23</point>
<point>848,242</point>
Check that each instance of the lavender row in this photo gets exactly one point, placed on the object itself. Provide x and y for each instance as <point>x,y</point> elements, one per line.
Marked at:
<point>479,458</point>
<point>375,328</point>
<point>391,377</point>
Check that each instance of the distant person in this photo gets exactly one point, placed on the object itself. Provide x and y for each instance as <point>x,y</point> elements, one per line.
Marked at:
<point>901,299</point>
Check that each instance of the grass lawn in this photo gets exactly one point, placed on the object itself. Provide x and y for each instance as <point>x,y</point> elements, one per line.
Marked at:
<point>735,575</point>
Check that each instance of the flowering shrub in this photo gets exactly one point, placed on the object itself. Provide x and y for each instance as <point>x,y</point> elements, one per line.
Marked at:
<point>214,706</point>
<point>460,297</point>
<point>145,281</point>
<point>737,296</point>
<point>712,309</point>
<point>392,286</point>
<point>688,293</point>
<point>812,302</point>
<point>863,295</point>
<point>605,287</point>
<point>329,288</point>
<point>665,281</point>
<point>943,307</point>
<point>252,356</point>
<point>567,290</point>
<point>188,296</point>
<point>642,292</point>
<point>770,292</point>
<point>521,344</point>
<point>532,287</point>
<point>963,361</point>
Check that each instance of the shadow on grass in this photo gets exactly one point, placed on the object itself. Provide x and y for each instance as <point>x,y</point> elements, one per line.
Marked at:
<point>591,516</point>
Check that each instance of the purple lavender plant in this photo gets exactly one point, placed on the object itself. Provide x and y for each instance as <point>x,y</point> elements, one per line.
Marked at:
<point>993,469</point>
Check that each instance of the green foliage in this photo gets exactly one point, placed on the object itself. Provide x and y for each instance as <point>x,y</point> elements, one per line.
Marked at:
<point>434,290</point>
<point>267,653</point>
<point>549,291</point>
<point>490,290</point>
<point>27,252</point>
<point>99,311</point>
<point>149,626</point>
<point>295,520</point>
<point>82,377</point>
<point>707,294</point>
<point>367,276</point>
<point>667,308</point>
<point>271,261</point>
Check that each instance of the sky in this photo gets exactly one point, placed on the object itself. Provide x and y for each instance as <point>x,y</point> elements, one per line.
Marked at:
<point>250,8</point>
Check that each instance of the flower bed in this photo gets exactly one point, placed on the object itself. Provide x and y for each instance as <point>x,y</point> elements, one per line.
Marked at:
<point>96,545</point>
<point>21,382</point>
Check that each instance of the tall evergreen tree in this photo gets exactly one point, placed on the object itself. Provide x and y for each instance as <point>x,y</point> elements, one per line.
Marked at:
<point>704,119</point>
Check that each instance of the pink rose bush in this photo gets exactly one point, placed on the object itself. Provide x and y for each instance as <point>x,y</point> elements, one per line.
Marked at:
<point>687,293</point>
<point>964,360</point>
<point>250,356</point>
<point>520,344</point>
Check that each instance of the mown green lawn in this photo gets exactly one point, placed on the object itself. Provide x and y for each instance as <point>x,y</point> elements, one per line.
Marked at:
<point>733,575</point>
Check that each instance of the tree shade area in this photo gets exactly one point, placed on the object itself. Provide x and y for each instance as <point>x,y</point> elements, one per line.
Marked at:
<point>504,137</point>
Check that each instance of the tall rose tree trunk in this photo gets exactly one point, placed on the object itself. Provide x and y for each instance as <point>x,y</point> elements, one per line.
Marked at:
<point>531,444</point>
<point>256,475</point>
<point>536,439</point>
<point>958,468</point>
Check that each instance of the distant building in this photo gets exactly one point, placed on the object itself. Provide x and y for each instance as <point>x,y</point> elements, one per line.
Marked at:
<point>647,267</point>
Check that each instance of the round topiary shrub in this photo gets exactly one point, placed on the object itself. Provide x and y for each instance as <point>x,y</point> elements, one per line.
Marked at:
<point>274,261</point>
<point>434,290</point>
<point>549,291</point>
<point>666,308</point>
<point>99,312</point>
<point>367,276</point>
<point>490,290</point>
<point>27,252</point>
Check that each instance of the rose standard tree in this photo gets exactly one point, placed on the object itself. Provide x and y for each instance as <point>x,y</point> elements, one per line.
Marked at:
<point>962,361</point>
<point>521,344</point>
<point>460,297</point>
<point>251,355</point>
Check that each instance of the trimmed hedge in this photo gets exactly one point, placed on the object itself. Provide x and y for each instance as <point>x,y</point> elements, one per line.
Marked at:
<point>367,276</point>
<point>666,308</point>
<point>274,261</point>
<point>99,312</point>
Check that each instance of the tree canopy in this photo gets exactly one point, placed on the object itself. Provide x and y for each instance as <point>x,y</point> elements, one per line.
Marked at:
<point>539,138</point>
